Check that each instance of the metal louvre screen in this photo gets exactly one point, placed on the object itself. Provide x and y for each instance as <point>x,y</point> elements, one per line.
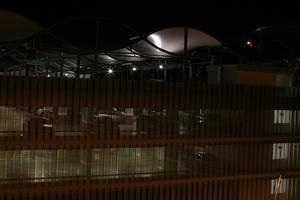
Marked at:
<point>213,160</point>
<point>112,139</point>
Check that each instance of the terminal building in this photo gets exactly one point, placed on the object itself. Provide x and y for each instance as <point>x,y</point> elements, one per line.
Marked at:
<point>155,117</point>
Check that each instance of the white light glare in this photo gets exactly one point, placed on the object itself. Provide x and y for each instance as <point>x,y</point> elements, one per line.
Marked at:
<point>47,125</point>
<point>110,71</point>
<point>161,66</point>
<point>156,40</point>
<point>48,75</point>
<point>134,69</point>
<point>66,74</point>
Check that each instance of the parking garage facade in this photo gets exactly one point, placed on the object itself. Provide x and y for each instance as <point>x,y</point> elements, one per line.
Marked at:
<point>158,117</point>
<point>163,138</point>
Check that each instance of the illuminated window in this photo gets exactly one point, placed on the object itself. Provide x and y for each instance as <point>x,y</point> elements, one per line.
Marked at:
<point>280,150</point>
<point>282,116</point>
<point>62,111</point>
<point>278,186</point>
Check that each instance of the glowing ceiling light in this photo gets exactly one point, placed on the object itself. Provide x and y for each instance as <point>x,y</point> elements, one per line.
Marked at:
<point>161,66</point>
<point>47,125</point>
<point>110,71</point>
<point>134,69</point>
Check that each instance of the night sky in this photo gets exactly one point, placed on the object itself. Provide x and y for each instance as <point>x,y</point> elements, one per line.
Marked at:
<point>225,19</point>
<point>230,22</point>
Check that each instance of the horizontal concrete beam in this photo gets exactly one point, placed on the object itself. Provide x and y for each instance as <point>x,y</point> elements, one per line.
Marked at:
<point>119,184</point>
<point>73,142</point>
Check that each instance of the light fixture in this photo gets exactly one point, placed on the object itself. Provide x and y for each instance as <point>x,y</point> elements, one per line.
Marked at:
<point>48,75</point>
<point>110,71</point>
<point>47,125</point>
<point>134,69</point>
<point>66,74</point>
<point>249,43</point>
<point>161,66</point>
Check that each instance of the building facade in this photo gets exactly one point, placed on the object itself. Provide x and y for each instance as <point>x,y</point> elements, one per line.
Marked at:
<point>65,138</point>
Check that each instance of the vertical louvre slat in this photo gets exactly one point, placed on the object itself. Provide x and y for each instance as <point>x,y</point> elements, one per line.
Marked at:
<point>11,93</point>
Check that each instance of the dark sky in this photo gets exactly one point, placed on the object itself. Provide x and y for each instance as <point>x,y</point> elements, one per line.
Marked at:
<point>146,14</point>
<point>229,22</point>
<point>224,20</point>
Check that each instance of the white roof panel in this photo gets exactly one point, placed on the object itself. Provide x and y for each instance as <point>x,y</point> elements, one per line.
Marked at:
<point>172,39</point>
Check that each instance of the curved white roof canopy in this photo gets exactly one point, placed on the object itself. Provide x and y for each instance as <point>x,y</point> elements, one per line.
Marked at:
<point>15,27</point>
<point>171,40</point>
<point>126,54</point>
<point>144,48</point>
<point>102,58</point>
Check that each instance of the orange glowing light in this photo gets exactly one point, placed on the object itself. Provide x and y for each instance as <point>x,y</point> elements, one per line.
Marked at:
<point>249,43</point>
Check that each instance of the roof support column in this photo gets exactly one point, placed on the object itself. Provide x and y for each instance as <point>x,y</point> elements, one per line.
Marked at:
<point>191,72</point>
<point>26,65</point>
<point>185,51</point>
<point>96,61</point>
<point>96,46</point>
<point>36,58</point>
<point>165,71</point>
<point>78,65</point>
<point>62,65</point>
<point>154,72</point>
<point>142,71</point>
